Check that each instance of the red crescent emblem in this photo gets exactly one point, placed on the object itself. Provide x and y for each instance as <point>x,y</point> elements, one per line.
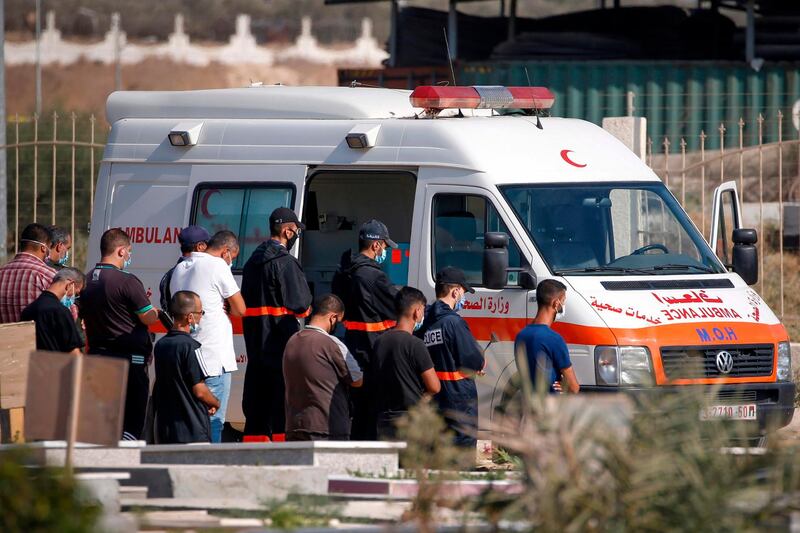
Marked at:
<point>204,202</point>
<point>565,157</point>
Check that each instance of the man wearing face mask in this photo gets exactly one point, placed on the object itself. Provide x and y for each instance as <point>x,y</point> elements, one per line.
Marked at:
<point>368,296</point>
<point>276,293</point>
<point>456,355</point>
<point>403,371</point>
<point>318,371</point>
<point>116,312</point>
<point>545,351</point>
<point>60,246</point>
<point>24,278</point>
<point>55,328</point>
<point>208,274</point>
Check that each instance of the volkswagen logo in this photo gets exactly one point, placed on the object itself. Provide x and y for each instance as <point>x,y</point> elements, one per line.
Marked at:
<point>724,362</point>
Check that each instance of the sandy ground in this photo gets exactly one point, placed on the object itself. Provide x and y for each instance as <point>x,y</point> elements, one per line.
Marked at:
<point>84,87</point>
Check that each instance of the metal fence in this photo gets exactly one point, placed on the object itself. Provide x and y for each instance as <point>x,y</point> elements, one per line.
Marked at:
<point>52,167</point>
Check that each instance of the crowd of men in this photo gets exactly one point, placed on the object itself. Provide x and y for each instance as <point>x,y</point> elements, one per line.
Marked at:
<point>347,366</point>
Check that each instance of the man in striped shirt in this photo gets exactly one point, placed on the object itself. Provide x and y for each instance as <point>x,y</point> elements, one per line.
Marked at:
<point>24,278</point>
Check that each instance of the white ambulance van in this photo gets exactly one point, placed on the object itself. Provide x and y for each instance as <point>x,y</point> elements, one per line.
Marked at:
<point>461,180</point>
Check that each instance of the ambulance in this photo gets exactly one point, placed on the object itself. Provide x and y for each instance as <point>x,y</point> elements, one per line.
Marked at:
<point>472,177</point>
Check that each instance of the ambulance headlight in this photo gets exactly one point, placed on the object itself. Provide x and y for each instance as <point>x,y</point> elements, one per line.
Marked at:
<point>784,361</point>
<point>185,134</point>
<point>623,365</point>
<point>606,364</point>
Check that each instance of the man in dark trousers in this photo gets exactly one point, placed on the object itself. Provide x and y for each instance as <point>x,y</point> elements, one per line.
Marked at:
<point>455,354</point>
<point>182,401</point>
<point>56,330</point>
<point>368,298</point>
<point>403,371</point>
<point>116,311</point>
<point>276,294</point>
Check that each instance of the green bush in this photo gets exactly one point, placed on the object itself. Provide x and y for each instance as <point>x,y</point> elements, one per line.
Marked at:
<point>34,499</point>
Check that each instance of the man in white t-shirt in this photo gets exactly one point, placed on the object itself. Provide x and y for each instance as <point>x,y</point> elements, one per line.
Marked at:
<point>209,275</point>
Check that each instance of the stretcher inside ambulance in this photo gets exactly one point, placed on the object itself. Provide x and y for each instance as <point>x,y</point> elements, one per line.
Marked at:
<point>466,177</point>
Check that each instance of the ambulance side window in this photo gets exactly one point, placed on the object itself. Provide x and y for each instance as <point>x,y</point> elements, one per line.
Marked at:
<point>242,209</point>
<point>459,223</point>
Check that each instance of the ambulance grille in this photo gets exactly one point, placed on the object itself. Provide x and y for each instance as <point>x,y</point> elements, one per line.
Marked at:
<point>647,285</point>
<point>697,362</point>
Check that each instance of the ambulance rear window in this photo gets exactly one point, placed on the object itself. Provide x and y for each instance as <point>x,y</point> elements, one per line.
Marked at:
<point>241,208</point>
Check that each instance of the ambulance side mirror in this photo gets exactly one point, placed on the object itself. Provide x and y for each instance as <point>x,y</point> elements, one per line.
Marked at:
<point>745,254</point>
<point>495,260</point>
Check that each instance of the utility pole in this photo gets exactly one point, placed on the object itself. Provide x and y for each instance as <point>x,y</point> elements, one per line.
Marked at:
<point>39,57</point>
<point>3,181</point>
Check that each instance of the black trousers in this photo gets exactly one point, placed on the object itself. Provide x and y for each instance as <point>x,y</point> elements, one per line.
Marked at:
<point>136,394</point>
<point>264,399</point>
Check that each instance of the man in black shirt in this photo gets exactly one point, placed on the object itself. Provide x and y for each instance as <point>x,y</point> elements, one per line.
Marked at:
<point>55,329</point>
<point>403,367</point>
<point>182,401</point>
<point>116,312</point>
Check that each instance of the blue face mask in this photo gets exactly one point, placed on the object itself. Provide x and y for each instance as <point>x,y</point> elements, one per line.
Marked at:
<point>63,260</point>
<point>418,325</point>
<point>460,303</point>
<point>192,328</point>
<point>128,261</point>
<point>381,258</point>
<point>68,301</point>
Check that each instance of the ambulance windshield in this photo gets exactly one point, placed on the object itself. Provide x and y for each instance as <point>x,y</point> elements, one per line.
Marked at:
<point>614,229</point>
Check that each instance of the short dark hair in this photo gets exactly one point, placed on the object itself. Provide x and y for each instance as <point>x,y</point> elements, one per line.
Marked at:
<point>58,235</point>
<point>188,248</point>
<point>548,290</point>
<point>363,244</point>
<point>34,232</point>
<point>406,298</point>
<point>182,303</point>
<point>223,239</point>
<point>443,288</point>
<point>112,239</point>
<point>275,229</point>
<point>327,303</point>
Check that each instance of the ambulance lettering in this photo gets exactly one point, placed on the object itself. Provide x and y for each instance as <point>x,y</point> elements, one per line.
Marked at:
<point>152,235</point>
<point>433,337</point>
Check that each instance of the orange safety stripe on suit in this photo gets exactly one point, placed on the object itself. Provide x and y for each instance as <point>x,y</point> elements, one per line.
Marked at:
<point>274,311</point>
<point>369,326</point>
<point>451,376</point>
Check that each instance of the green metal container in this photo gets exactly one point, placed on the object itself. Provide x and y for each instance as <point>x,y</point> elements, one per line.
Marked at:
<point>681,99</point>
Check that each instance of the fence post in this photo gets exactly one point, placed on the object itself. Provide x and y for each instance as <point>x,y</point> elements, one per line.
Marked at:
<point>35,164</point>
<point>3,180</point>
<point>683,172</point>
<point>761,198</point>
<point>721,153</point>
<point>72,201</point>
<point>780,200</point>
<point>703,181</point>
<point>91,164</point>
<point>16,183</point>
<point>741,161</point>
<point>53,193</point>
<point>666,161</point>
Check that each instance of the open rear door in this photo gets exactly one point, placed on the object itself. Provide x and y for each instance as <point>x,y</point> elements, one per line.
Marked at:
<point>726,216</point>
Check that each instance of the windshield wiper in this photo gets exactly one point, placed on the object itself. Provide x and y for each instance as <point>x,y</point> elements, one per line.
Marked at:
<point>675,266</point>
<point>585,270</point>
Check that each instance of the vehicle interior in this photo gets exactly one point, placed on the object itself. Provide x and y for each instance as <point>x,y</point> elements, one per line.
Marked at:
<point>337,203</point>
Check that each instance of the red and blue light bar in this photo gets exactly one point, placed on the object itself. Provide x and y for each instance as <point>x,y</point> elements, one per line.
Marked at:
<point>438,97</point>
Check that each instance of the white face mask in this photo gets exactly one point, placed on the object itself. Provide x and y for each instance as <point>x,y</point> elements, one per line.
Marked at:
<point>561,312</point>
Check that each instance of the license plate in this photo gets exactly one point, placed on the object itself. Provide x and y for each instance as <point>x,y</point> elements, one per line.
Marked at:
<point>729,412</point>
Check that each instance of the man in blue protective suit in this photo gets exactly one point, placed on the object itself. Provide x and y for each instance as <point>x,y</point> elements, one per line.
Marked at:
<point>456,355</point>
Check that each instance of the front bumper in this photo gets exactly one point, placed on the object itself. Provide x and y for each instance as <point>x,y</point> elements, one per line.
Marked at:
<point>775,401</point>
